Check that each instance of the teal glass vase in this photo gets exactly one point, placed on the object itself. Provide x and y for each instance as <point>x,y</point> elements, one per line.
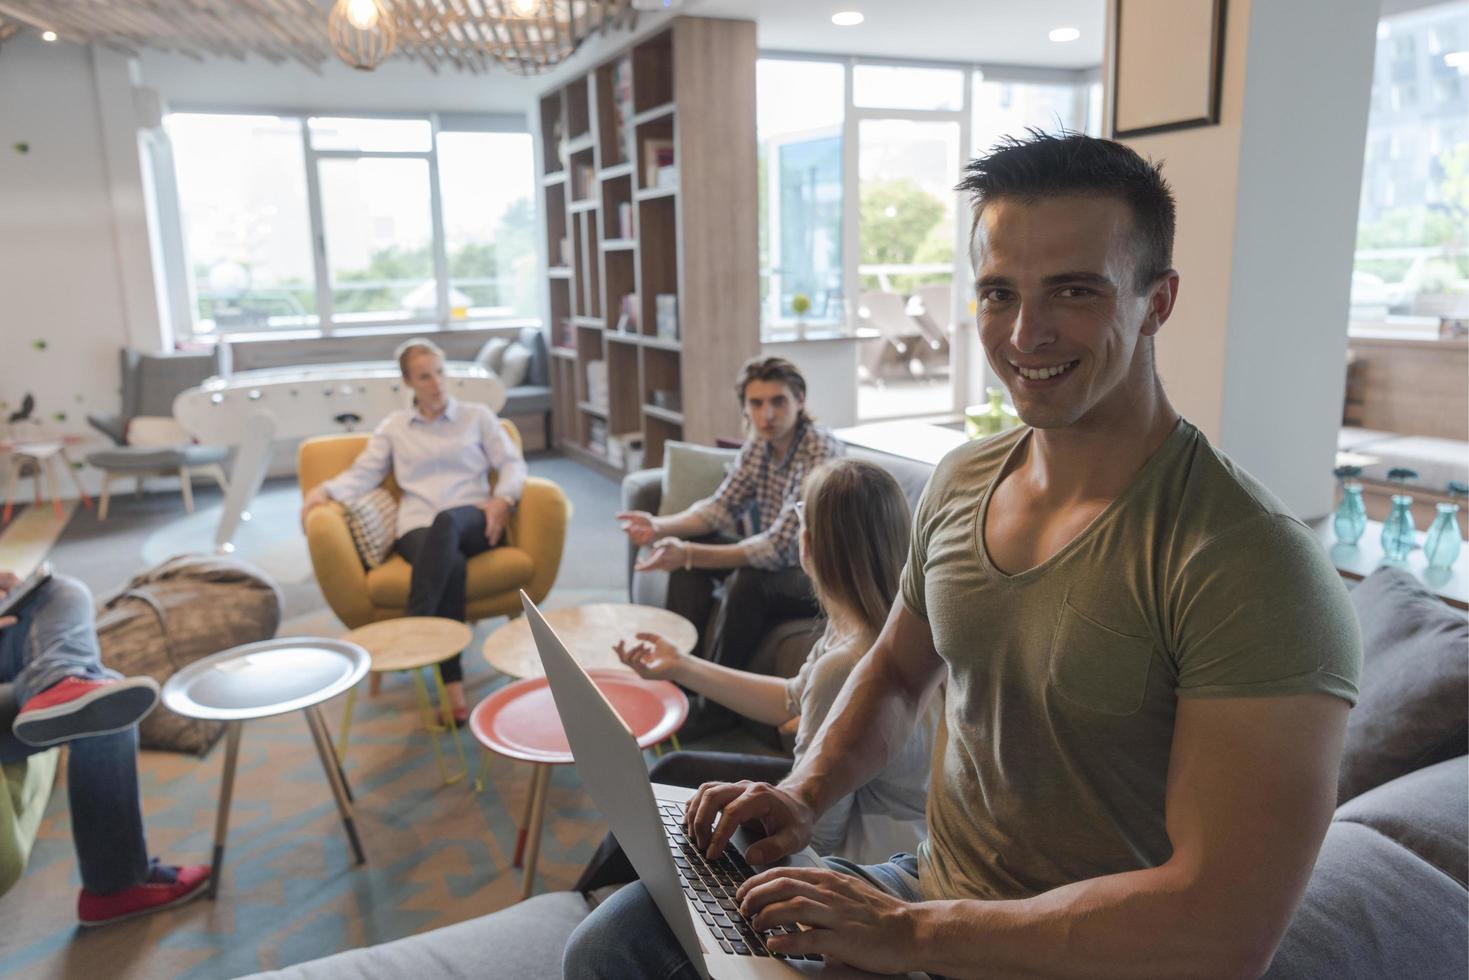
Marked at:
<point>1397,530</point>
<point>1351,515</point>
<point>1441,544</point>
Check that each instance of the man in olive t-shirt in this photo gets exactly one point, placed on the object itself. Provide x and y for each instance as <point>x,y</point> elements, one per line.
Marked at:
<point>1147,664</point>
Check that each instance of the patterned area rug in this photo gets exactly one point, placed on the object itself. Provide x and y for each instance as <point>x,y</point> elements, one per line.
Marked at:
<point>290,892</point>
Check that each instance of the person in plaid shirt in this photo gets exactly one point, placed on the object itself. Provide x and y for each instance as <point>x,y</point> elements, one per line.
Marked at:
<point>747,534</point>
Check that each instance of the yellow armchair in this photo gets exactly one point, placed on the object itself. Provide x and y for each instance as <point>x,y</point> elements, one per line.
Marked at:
<point>528,560</point>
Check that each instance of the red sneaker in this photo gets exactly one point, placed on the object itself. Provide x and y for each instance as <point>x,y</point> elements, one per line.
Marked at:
<point>166,888</point>
<point>76,708</point>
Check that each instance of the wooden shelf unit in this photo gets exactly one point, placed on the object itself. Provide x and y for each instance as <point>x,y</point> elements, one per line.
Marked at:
<point>615,226</point>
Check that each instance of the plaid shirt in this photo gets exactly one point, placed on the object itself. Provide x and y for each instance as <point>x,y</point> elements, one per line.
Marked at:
<point>757,499</point>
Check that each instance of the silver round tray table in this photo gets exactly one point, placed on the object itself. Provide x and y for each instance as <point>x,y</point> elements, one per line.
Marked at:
<point>258,680</point>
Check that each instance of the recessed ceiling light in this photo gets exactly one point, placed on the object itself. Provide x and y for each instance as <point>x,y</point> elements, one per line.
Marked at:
<point>1063,34</point>
<point>847,18</point>
<point>48,36</point>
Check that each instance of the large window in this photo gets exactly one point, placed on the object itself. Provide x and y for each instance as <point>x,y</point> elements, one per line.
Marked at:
<point>416,221</point>
<point>860,226</point>
<point>1412,261</point>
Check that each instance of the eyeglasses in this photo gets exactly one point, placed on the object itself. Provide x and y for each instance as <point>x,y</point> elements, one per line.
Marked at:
<point>801,514</point>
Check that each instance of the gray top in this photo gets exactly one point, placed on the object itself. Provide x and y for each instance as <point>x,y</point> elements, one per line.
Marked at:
<point>887,815</point>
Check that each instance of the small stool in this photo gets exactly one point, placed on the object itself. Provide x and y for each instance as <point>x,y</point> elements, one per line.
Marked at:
<point>519,721</point>
<point>42,455</point>
<point>257,680</point>
<point>413,643</point>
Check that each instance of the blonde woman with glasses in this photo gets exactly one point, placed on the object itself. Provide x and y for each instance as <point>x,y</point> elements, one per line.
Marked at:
<point>853,540</point>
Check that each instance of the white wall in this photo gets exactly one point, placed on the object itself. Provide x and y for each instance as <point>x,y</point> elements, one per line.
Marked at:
<point>65,310</point>
<point>1267,207</point>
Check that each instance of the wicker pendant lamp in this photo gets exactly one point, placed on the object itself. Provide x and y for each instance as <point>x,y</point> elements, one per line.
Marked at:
<point>362,32</point>
<point>534,36</point>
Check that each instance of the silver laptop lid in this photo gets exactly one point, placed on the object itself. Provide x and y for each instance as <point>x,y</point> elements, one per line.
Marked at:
<point>611,767</point>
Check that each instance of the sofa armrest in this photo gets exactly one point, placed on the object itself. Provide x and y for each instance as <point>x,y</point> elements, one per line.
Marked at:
<point>539,528</point>
<point>642,490</point>
<point>339,571</point>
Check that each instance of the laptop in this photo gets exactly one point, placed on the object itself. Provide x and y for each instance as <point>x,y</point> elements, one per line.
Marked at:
<point>694,895</point>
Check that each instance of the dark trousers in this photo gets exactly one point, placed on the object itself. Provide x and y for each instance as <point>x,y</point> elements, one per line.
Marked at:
<point>610,866</point>
<point>439,554</point>
<point>755,600</point>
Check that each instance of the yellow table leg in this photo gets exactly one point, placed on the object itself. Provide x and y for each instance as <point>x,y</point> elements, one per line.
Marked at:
<point>484,767</point>
<point>346,725</point>
<point>427,710</point>
<point>448,712</point>
<point>674,739</point>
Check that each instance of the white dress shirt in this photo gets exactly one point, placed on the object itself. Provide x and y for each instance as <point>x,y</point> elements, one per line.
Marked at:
<point>439,463</point>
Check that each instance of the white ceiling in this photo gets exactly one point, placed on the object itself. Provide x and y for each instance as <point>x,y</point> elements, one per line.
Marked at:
<point>1008,32</point>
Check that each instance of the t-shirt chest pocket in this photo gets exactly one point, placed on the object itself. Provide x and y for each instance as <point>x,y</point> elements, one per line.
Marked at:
<point>1098,668</point>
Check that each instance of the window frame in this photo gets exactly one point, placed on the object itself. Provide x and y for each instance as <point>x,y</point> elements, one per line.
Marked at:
<point>179,283</point>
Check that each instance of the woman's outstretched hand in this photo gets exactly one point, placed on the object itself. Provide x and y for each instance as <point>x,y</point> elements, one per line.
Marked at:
<point>651,658</point>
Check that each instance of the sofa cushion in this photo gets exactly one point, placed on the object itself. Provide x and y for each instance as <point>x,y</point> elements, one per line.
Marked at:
<point>526,400</point>
<point>690,473</point>
<point>1425,811</point>
<point>491,573</point>
<point>514,366</point>
<point>524,941</point>
<point>492,354</point>
<point>1372,910</point>
<point>1415,683</point>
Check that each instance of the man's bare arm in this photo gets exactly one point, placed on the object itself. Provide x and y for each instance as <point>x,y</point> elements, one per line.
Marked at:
<point>1251,789</point>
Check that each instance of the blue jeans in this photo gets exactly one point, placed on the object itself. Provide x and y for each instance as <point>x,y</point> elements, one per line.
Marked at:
<point>626,937</point>
<point>55,638</point>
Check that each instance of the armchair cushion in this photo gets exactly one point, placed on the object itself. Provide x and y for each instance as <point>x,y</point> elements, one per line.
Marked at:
<point>497,571</point>
<point>372,520</point>
<point>690,473</point>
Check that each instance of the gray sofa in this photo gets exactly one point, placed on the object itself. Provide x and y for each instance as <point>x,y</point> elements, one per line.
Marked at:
<point>1389,896</point>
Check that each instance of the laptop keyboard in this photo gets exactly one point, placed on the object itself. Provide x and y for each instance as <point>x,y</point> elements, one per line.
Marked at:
<point>710,887</point>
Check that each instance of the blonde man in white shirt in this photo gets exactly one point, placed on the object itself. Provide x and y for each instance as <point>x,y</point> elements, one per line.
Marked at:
<point>444,454</point>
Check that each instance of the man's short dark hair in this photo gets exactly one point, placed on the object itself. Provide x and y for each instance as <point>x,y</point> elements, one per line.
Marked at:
<point>1041,165</point>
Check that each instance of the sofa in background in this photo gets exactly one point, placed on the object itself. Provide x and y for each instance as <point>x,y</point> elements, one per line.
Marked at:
<point>1389,896</point>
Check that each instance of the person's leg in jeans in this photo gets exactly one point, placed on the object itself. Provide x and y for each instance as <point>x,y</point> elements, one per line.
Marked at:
<point>55,640</point>
<point>626,937</point>
<point>691,593</point>
<point>440,555</point>
<point>610,866</point>
<point>755,600</point>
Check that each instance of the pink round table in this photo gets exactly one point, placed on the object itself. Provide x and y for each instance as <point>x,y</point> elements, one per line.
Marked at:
<point>519,721</point>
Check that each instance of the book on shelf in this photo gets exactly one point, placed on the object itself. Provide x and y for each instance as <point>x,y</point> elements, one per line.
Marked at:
<point>667,177</point>
<point>625,450</point>
<point>657,154</point>
<point>627,319</point>
<point>585,177</point>
<point>597,436</point>
<point>665,307</point>
<point>623,228</point>
<point>621,102</point>
<point>566,335</point>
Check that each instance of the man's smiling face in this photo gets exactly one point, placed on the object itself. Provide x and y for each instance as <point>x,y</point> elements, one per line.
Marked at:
<point>1060,316</point>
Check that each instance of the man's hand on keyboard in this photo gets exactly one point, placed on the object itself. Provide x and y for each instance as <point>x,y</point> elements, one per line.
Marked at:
<point>846,919</point>
<point>786,818</point>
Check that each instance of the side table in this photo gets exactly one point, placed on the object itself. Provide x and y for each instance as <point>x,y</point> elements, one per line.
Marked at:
<point>414,643</point>
<point>589,632</point>
<point>257,680</point>
<point>519,721</point>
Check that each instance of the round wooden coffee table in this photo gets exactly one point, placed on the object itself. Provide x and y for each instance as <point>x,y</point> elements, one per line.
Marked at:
<point>414,643</point>
<point>589,632</point>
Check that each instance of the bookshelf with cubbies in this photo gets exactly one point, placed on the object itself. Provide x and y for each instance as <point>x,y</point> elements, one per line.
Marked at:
<point>648,167</point>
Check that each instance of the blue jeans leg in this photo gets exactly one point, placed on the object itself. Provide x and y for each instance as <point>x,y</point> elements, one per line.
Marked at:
<point>626,937</point>
<point>106,813</point>
<point>56,638</point>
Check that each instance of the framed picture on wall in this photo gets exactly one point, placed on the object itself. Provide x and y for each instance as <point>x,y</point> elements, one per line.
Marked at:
<point>1169,59</point>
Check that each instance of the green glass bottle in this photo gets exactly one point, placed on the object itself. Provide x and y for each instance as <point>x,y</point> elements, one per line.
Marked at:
<point>983,421</point>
